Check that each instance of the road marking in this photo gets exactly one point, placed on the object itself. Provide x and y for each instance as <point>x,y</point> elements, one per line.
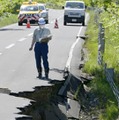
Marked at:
<point>71,52</point>
<point>30,34</point>
<point>0,53</point>
<point>9,46</point>
<point>79,33</point>
<point>22,39</point>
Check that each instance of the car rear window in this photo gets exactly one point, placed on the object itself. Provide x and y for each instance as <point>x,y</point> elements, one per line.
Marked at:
<point>29,8</point>
<point>74,5</point>
<point>41,8</point>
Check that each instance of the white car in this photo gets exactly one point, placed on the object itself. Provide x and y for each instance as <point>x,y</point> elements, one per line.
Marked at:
<point>44,12</point>
<point>74,12</point>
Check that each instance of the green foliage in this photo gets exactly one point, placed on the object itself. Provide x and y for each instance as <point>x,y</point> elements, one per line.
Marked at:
<point>99,84</point>
<point>91,45</point>
<point>8,20</point>
<point>11,6</point>
<point>111,113</point>
<point>110,20</point>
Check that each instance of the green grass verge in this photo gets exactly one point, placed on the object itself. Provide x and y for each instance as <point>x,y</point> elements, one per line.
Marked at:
<point>7,20</point>
<point>99,84</point>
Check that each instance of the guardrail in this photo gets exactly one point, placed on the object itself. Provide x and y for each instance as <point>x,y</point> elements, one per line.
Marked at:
<point>108,72</point>
<point>110,76</point>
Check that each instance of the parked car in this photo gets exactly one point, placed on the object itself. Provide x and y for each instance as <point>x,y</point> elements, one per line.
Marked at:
<point>32,11</point>
<point>74,12</point>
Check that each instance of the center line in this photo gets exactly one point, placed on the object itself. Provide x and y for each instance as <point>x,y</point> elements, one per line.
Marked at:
<point>9,46</point>
<point>22,39</point>
<point>30,34</point>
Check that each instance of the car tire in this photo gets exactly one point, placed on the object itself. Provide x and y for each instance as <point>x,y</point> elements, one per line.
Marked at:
<point>20,23</point>
<point>65,23</point>
<point>83,23</point>
<point>47,21</point>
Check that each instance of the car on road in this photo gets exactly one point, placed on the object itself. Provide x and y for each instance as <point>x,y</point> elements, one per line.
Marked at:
<point>32,11</point>
<point>74,12</point>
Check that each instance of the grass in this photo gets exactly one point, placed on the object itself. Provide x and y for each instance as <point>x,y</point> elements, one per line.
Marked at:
<point>99,84</point>
<point>111,111</point>
<point>7,20</point>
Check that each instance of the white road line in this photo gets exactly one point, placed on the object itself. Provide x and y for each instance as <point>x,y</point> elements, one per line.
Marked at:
<point>9,46</point>
<point>71,51</point>
<point>30,34</point>
<point>79,32</point>
<point>22,39</point>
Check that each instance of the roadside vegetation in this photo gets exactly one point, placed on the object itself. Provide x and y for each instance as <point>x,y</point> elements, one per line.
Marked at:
<point>8,19</point>
<point>99,86</point>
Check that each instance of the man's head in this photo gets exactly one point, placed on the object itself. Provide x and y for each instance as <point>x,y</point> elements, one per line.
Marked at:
<point>41,22</point>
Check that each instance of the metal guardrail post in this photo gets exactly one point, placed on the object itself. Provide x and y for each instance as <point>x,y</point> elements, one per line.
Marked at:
<point>112,85</point>
<point>101,44</point>
<point>101,49</point>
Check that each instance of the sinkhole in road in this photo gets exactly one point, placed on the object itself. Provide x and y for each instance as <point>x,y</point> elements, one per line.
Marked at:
<point>44,104</point>
<point>46,100</point>
<point>50,103</point>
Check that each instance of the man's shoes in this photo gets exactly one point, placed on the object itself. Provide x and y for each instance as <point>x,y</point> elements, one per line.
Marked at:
<point>46,73</point>
<point>39,76</point>
<point>39,72</point>
<point>46,76</point>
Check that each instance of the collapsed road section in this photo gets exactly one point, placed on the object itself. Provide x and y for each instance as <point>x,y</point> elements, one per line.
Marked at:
<point>61,101</point>
<point>51,102</point>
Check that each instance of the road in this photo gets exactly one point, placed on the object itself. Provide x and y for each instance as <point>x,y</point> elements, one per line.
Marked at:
<point>17,63</point>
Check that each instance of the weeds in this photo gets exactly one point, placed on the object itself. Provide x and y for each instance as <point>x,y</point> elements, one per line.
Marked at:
<point>99,84</point>
<point>7,20</point>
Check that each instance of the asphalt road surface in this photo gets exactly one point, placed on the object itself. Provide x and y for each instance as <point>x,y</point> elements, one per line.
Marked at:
<point>17,64</point>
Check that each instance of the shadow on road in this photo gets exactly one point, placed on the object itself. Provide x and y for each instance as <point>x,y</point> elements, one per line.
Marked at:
<point>57,70</point>
<point>10,29</point>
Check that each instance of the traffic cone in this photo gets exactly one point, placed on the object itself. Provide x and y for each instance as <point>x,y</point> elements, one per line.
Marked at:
<point>28,24</point>
<point>56,24</point>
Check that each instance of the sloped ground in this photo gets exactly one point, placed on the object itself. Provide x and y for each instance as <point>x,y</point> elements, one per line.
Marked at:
<point>46,104</point>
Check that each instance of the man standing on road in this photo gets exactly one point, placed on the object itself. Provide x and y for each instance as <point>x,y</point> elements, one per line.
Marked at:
<point>41,37</point>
